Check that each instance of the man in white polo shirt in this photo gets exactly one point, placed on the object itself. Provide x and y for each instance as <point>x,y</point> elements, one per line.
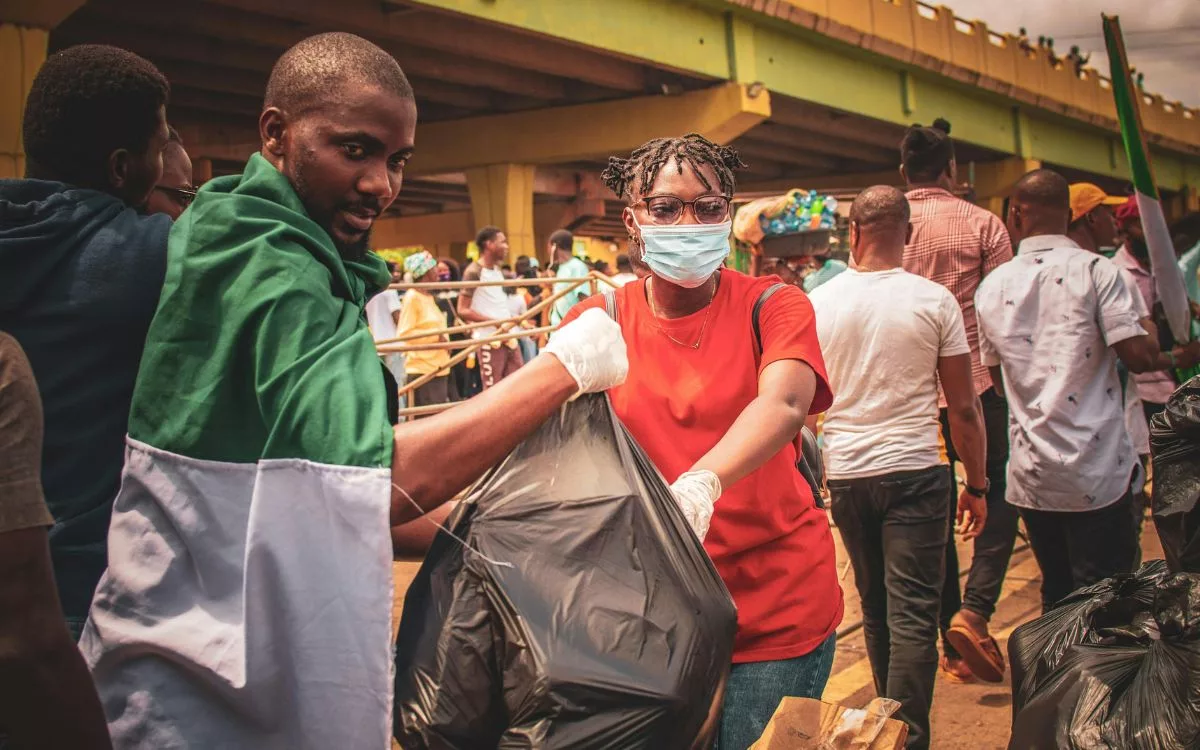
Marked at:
<point>1053,323</point>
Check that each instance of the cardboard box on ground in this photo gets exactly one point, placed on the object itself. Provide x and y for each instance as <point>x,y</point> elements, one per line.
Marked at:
<point>808,724</point>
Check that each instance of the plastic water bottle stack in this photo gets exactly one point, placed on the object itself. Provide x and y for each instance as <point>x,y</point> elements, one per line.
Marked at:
<point>803,211</point>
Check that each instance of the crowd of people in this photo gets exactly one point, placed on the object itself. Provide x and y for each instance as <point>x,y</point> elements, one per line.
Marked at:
<point>205,476</point>
<point>394,320</point>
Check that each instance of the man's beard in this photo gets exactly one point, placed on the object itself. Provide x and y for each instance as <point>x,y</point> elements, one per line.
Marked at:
<point>357,250</point>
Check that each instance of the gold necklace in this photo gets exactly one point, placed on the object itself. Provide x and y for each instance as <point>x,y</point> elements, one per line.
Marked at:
<point>663,331</point>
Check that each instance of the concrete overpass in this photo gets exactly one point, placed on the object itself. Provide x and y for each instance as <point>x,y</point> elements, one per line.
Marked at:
<point>522,100</point>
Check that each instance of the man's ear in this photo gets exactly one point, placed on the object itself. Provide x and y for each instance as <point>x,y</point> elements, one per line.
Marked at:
<point>118,169</point>
<point>273,131</point>
<point>903,173</point>
<point>855,234</point>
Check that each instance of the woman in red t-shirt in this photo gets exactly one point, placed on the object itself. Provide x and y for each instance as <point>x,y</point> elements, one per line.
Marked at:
<point>714,414</point>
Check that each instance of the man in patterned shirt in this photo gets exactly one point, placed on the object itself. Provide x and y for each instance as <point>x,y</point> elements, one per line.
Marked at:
<point>957,244</point>
<point>1054,323</point>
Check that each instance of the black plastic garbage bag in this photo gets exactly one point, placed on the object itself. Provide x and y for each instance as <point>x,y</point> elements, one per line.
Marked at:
<point>1175,445</point>
<point>588,616</point>
<point>1116,665</point>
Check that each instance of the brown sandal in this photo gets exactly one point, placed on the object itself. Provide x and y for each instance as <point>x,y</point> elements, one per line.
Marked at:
<point>956,671</point>
<point>982,654</point>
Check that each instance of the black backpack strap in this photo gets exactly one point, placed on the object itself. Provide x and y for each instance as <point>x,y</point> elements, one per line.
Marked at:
<point>767,294</point>
<point>610,303</point>
<point>809,462</point>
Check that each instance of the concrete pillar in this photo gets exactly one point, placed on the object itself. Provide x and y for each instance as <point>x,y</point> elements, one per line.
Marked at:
<point>994,180</point>
<point>502,196</point>
<point>1182,203</point>
<point>22,52</point>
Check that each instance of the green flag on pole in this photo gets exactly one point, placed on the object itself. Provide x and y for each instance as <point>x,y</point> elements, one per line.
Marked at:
<point>1167,277</point>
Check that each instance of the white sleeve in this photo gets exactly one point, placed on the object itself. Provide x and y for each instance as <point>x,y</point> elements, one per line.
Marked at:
<point>988,354</point>
<point>1139,302</point>
<point>393,300</point>
<point>1116,314</point>
<point>954,331</point>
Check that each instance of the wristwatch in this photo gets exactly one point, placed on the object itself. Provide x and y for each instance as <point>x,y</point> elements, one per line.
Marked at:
<point>977,492</point>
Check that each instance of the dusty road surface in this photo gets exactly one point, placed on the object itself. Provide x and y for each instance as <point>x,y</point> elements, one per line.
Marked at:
<point>973,716</point>
<point>965,717</point>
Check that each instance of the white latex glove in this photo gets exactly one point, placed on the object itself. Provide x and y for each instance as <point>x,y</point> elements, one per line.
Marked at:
<point>592,349</point>
<point>697,492</point>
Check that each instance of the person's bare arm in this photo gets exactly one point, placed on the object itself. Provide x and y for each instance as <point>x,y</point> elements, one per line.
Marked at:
<point>1141,353</point>
<point>768,423</point>
<point>465,311</point>
<point>436,458</point>
<point>411,540</point>
<point>47,699</point>
<point>969,437</point>
<point>811,422</point>
<point>1181,356</point>
<point>465,298</point>
<point>965,415</point>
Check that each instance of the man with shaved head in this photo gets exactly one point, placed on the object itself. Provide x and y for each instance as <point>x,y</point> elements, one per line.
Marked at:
<point>1053,324</point>
<point>248,596</point>
<point>889,337</point>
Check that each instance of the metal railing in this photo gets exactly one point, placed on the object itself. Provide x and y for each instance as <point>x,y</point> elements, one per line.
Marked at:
<point>504,328</point>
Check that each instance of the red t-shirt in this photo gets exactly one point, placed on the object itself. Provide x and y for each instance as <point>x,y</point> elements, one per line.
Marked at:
<point>769,541</point>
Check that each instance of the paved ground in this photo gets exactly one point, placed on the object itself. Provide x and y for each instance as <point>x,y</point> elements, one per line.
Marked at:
<point>965,717</point>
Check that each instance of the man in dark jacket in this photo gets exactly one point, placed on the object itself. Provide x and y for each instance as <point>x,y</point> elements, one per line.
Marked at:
<point>80,275</point>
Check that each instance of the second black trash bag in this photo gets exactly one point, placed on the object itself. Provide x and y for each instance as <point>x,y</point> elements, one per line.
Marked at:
<point>1175,445</point>
<point>1116,665</point>
<point>588,616</point>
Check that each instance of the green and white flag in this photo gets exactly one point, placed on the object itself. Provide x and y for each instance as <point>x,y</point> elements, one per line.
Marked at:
<point>1168,279</point>
<point>248,598</point>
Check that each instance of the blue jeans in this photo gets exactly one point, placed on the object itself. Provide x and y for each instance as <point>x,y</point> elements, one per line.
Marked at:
<point>756,688</point>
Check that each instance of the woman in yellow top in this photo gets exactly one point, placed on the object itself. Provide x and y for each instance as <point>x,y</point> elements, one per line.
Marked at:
<point>420,312</point>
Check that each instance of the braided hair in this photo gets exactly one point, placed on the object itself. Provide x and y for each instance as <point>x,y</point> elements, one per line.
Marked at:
<point>635,175</point>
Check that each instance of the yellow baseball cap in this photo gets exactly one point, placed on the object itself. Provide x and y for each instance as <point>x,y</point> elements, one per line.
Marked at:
<point>1085,196</point>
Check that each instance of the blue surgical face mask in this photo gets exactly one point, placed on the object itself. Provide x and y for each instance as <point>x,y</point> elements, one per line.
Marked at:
<point>685,254</point>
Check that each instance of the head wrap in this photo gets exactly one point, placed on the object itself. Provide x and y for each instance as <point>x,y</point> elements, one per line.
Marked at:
<point>1128,213</point>
<point>419,264</point>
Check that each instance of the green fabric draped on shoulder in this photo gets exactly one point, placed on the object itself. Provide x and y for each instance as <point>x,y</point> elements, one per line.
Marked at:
<point>259,348</point>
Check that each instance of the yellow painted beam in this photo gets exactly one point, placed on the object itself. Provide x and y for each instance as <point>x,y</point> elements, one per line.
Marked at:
<point>22,52</point>
<point>426,229</point>
<point>586,131</point>
<point>39,14</point>
<point>502,196</point>
<point>803,58</point>
<point>743,67</point>
<point>994,180</point>
<point>841,181</point>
